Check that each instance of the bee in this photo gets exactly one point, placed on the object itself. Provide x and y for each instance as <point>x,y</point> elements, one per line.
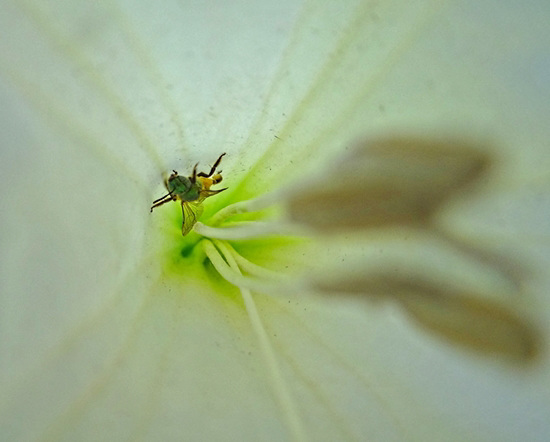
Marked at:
<point>191,191</point>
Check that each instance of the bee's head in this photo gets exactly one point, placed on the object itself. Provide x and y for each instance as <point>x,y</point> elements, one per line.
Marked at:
<point>171,177</point>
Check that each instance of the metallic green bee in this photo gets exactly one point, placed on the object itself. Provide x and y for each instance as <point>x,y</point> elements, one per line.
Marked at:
<point>191,191</point>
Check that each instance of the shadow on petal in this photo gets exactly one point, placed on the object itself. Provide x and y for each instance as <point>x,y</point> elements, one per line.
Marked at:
<point>386,182</point>
<point>475,321</point>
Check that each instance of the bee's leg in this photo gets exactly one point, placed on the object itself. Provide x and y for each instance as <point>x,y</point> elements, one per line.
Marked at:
<point>214,192</point>
<point>162,197</point>
<point>159,202</point>
<point>213,169</point>
<point>193,177</point>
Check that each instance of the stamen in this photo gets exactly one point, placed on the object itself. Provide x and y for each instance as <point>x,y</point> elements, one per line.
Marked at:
<point>229,211</point>
<point>221,266</point>
<point>282,286</point>
<point>252,205</point>
<point>279,386</point>
<point>249,230</point>
<point>246,265</point>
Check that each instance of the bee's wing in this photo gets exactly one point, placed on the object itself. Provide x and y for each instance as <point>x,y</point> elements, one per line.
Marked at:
<point>191,213</point>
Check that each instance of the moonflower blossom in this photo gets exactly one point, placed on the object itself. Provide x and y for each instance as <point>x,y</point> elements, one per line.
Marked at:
<point>375,270</point>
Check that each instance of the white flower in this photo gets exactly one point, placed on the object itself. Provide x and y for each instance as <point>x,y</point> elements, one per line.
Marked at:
<point>115,326</point>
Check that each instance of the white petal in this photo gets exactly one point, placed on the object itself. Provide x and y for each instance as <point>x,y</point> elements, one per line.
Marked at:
<point>98,343</point>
